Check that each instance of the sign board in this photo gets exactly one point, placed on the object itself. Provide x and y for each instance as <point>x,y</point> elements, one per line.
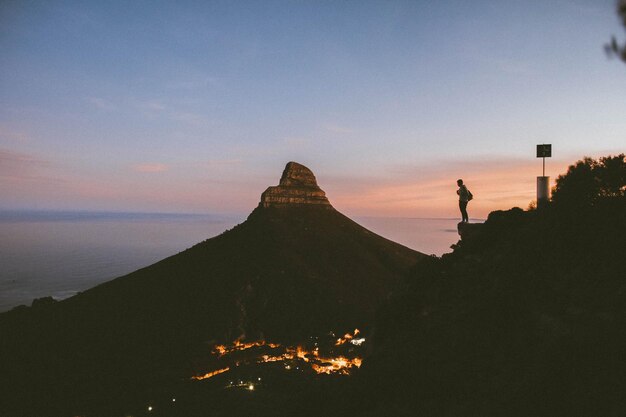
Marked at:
<point>544,151</point>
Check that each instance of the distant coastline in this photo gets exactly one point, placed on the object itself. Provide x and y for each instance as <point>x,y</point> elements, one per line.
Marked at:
<point>61,252</point>
<point>79,215</point>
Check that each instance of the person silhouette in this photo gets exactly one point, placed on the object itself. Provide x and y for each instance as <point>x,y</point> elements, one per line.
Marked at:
<point>464,198</point>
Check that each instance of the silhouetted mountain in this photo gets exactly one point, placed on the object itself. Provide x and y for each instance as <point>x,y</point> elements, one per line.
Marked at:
<point>295,268</point>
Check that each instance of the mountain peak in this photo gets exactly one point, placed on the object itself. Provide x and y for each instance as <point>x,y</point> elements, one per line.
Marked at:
<point>297,186</point>
<point>298,175</point>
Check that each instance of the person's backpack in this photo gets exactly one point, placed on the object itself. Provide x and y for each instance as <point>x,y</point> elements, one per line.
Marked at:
<point>470,196</point>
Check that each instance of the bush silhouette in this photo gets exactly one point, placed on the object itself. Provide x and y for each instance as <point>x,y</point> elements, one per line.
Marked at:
<point>591,181</point>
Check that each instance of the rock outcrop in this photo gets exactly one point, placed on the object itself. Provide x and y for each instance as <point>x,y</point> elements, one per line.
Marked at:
<point>467,230</point>
<point>297,186</point>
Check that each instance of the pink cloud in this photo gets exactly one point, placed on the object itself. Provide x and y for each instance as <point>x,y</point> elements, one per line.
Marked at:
<point>22,166</point>
<point>338,129</point>
<point>150,167</point>
<point>222,162</point>
<point>13,135</point>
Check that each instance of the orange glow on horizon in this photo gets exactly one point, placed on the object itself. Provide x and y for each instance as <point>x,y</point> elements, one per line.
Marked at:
<point>406,191</point>
<point>495,185</point>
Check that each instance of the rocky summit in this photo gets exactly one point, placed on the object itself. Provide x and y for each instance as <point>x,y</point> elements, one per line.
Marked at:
<point>297,186</point>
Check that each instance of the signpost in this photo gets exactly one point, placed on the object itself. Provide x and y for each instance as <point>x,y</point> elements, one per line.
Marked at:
<point>543,183</point>
<point>544,151</point>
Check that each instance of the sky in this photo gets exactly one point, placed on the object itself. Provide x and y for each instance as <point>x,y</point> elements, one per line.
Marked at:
<point>197,106</point>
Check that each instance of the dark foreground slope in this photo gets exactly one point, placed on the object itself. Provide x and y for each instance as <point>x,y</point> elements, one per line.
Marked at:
<point>526,318</point>
<point>290,271</point>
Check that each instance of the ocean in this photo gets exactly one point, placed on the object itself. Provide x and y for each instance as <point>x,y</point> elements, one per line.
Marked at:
<point>59,254</point>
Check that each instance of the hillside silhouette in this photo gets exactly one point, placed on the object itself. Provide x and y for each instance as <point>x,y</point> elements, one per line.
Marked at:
<point>295,268</point>
<point>527,317</point>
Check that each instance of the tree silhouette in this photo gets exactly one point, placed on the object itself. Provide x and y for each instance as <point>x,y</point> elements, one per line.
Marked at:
<point>614,48</point>
<point>589,181</point>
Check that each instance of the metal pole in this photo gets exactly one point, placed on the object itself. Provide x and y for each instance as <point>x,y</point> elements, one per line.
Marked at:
<point>544,166</point>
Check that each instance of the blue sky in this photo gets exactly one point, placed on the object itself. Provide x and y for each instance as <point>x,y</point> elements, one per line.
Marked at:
<point>197,106</point>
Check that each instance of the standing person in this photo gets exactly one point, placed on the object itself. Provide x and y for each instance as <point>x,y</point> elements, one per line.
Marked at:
<point>464,197</point>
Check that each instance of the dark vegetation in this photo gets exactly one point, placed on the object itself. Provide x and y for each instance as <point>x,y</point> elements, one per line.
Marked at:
<point>614,47</point>
<point>527,317</point>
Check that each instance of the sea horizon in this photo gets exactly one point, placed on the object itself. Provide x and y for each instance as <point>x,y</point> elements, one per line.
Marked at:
<point>7,214</point>
<point>60,253</point>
